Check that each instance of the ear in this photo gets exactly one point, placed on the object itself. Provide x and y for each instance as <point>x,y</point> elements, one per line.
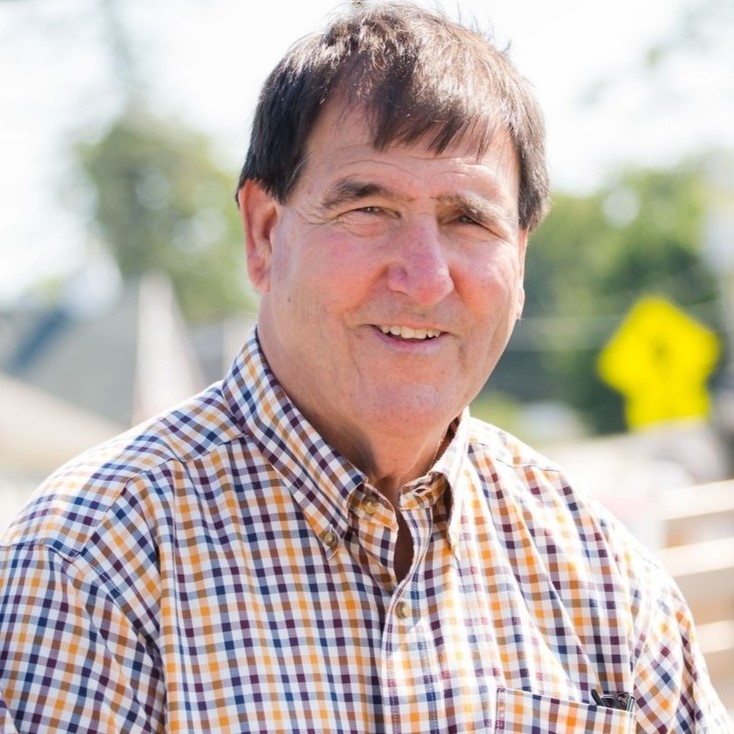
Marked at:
<point>522,246</point>
<point>259,214</point>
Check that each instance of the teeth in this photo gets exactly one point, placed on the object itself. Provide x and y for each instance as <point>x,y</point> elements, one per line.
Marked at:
<point>405,332</point>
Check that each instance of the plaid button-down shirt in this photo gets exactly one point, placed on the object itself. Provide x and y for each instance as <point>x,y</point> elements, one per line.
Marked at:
<point>222,569</point>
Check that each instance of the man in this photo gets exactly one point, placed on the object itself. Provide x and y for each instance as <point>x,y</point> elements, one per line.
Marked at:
<point>326,540</point>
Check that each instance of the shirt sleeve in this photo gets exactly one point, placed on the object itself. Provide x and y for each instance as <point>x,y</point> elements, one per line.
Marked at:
<point>6,720</point>
<point>71,659</point>
<point>672,686</point>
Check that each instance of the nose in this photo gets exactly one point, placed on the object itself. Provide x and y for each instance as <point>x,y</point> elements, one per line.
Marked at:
<point>419,266</point>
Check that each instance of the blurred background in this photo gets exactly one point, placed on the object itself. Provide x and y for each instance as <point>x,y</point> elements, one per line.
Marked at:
<point>122,281</point>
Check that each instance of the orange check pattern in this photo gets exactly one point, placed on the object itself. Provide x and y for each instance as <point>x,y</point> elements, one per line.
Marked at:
<point>221,569</point>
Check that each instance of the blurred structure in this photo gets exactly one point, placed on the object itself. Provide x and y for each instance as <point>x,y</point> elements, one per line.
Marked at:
<point>70,377</point>
<point>123,362</point>
<point>39,432</point>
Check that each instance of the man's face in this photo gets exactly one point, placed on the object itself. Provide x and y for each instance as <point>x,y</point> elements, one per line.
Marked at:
<point>390,280</point>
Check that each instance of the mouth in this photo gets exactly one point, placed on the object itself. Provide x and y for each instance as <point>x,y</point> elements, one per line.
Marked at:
<point>406,332</point>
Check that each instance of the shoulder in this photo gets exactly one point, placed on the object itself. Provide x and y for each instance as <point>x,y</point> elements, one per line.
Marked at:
<point>127,470</point>
<point>538,502</point>
<point>500,456</point>
<point>522,481</point>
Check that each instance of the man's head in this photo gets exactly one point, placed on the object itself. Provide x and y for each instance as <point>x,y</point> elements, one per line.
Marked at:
<point>395,170</point>
<point>417,76</point>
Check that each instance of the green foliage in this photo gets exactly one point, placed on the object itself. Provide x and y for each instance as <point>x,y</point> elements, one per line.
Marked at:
<point>161,203</point>
<point>590,261</point>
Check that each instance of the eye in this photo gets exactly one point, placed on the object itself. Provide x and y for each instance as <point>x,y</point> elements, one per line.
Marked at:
<point>365,214</point>
<point>478,227</point>
<point>367,221</point>
<point>467,219</point>
<point>368,210</point>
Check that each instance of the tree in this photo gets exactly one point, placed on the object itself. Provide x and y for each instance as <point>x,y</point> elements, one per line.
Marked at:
<point>160,203</point>
<point>589,262</point>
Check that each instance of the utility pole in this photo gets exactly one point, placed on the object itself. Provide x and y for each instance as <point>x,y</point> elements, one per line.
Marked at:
<point>719,251</point>
<point>120,49</point>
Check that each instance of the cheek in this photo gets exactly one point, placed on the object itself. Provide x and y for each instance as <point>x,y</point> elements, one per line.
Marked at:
<point>493,287</point>
<point>337,274</point>
<point>305,291</point>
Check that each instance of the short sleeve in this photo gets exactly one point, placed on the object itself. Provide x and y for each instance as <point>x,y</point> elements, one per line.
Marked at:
<point>673,688</point>
<point>71,660</point>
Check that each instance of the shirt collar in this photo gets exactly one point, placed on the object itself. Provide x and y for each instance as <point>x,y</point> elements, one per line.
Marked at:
<point>453,464</point>
<point>320,479</point>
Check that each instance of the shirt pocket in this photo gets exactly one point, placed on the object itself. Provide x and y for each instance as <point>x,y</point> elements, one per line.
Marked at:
<point>520,712</point>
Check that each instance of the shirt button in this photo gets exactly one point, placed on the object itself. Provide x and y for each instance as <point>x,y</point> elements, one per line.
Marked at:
<point>402,610</point>
<point>370,505</point>
<point>330,539</point>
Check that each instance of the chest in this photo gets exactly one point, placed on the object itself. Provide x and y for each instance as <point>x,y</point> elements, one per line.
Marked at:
<point>290,632</point>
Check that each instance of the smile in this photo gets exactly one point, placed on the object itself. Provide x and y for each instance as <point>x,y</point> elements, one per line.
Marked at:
<point>405,332</point>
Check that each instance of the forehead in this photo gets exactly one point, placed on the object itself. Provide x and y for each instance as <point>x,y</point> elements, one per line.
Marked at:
<point>341,145</point>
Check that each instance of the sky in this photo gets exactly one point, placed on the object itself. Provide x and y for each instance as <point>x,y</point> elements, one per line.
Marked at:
<point>203,63</point>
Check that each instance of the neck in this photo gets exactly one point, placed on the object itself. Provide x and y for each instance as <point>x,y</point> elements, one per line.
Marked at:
<point>390,462</point>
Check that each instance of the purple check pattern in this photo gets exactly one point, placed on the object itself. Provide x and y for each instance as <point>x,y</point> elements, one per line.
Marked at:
<point>222,569</point>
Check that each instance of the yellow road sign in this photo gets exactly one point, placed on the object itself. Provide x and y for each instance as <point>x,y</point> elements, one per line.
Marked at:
<point>660,359</point>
